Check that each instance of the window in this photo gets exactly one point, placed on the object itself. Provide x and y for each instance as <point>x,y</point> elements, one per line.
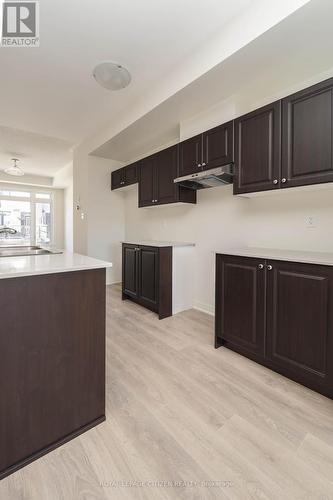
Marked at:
<point>30,213</point>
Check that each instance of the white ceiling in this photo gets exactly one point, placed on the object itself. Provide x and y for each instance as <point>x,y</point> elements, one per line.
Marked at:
<point>293,51</point>
<point>49,91</point>
<point>38,155</point>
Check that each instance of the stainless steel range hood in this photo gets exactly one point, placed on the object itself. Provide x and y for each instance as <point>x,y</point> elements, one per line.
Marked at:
<point>208,178</point>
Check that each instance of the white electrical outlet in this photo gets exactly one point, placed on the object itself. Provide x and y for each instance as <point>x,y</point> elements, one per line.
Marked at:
<point>310,221</point>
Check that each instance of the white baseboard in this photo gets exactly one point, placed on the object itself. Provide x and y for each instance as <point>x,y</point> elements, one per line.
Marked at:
<point>200,306</point>
<point>206,308</point>
<point>113,283</point>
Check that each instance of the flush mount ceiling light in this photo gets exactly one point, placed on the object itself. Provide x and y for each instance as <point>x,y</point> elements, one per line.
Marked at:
<point>111,76</point>
<point>14,169</point>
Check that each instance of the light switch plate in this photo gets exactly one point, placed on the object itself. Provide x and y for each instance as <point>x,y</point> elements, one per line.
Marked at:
<point>310,221</point>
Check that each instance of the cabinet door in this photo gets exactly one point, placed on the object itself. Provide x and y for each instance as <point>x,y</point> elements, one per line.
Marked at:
<point>218,146</point>
<point>258,150</point>
<point>166,171</point>
<point>240,304</point>
<point>307,136</point>
<point>131,174</point>
<point>299,322</point>
<point>130,270</point>
<point>190,155</point>
<point>147,182</point>
<point>148,276</point>
<point>117,178</point>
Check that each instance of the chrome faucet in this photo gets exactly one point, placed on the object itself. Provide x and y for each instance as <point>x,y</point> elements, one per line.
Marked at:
<point>7,230</point>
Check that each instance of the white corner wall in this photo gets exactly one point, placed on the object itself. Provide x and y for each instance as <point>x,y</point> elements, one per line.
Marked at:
<point>99,224</point>
<point>64,179</point>
<point>58,213</point>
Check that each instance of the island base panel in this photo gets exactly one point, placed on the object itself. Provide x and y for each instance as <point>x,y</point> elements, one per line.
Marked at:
<point>52,362</point>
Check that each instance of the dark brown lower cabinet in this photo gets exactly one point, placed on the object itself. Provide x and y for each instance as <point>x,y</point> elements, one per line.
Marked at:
<point>52,362</point>
<point>241,301</point>
<point>279,314</point>
<point>147,277</point>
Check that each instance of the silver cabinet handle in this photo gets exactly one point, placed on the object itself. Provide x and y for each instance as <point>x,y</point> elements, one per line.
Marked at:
<point>275,181</point>
<point>261,266</point>
<point>269,267</point>
<point>283,180</point>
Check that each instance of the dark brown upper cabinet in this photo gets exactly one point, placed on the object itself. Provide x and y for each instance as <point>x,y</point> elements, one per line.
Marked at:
<point>190,155</point>
<point>284,144</point>
<point>117,178</point>
<point>147,181</point>
<point>124,176</point>
<point>307,136</point>
<point>213,148</point>
<point>258,150</point>
<point>131,174</point>
<point>156,186</point>
<point>218,146</point>
<point>166,171</point>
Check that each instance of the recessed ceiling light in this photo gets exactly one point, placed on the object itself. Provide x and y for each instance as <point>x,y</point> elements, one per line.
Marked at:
<point>111,76</point>
<point>14,169</point>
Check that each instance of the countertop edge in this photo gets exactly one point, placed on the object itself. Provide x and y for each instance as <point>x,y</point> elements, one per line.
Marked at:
<point>53,271</point>
<point>24,266</point>
<point>302,257</point>
<point>158,244</point>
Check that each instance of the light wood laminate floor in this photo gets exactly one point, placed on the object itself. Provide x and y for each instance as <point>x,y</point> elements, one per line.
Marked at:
<point>209,423</point>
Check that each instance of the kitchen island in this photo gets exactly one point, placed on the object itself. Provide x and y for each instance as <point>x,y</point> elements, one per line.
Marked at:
<point>52,353</point>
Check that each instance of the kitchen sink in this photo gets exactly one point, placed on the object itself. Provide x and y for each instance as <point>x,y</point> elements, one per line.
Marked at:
<point>19,251</point>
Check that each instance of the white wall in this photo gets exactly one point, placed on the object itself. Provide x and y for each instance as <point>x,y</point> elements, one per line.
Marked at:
<point>64,179</point>
<point>217,221</point>
<point>58,213</point>
<point>68,216</point>
<point>220,220</point>
<point>99,224</point>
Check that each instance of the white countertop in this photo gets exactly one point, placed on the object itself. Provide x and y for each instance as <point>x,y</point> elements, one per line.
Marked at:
<point>14,267</point>
<point>154,243</point>
<point>320,258</point>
